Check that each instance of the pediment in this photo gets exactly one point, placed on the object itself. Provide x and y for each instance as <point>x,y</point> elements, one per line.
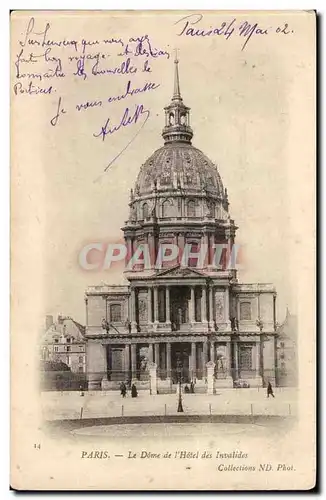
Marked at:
<point>180,272</point>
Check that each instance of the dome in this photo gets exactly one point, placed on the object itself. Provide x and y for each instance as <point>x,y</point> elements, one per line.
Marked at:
<point>179,165</point>
<point>178,182</point>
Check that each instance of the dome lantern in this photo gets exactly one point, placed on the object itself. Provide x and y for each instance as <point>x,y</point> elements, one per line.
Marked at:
<point>177,115</point>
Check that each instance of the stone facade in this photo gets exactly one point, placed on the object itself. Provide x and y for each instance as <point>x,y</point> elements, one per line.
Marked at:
<point>64,341</point>
<point>185,313</point>
<point>287,352</point>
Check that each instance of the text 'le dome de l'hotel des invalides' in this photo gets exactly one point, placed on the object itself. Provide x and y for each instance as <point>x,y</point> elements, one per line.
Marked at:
<point>181,317</point>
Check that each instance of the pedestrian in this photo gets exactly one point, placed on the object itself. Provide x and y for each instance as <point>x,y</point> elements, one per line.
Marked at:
<point>192,388</point>
<point>270,390</point>
<point>134,392</point>
<point>123,389</point>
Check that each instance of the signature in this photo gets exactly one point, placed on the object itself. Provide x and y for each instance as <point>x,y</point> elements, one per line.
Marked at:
<point>126,120</point>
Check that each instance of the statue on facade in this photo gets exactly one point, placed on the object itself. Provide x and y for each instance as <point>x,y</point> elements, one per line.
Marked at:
<point>128,325</point>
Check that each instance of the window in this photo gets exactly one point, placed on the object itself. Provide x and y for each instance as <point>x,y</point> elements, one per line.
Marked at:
<point>145,211</point>
<point>80,359</point>
<point>80,369</point>
<point>68,348</point>
<point>245,310</point>
<point>245,357</point>
<point>56,341</point>
<point>282,344</point>
<point>68,340</point>
<point>168,208</point>
<point>56,349</point>
<point>194,249</point>
<point>115,313</point>
<point>191,209</point>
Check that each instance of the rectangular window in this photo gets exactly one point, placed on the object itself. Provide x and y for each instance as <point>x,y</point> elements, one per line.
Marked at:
<point>245,310</point>
<point>56,349</point>
<point>68,340</point>
<point>245,357</point>
<point>68,348</point>
<point>80,369</point>
<point>81,360</point>
<point>115,313</point>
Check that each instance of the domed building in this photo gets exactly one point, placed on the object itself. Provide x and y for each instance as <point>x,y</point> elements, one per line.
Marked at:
<point>183,311</point>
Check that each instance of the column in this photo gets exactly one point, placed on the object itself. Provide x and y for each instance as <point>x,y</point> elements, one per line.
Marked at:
<point>236,359</point>
<point>149,304</point>
<point>211,307</point>
<point>150,353</point>
<point>204,358</point>
<point>181,244</point>
<point>157,354</point>
<point>127,361</point>
<point>129,251</point>
<point>133,361</point>
<point>212,251</point>
<point>212,353</point>
<point>203,305</point>
<point>192,304</point>
<point>227,309</point>
<point>261,356</point>
<point>168,360</point>
<point>133,311</point>
<point>229,239</point>
<point>206,246</point>
<point>228,356</point>
<point>193,361</point>
<point>167,305</point>
<point>257,359</point>
<point>155,304</point>
<point>258,305</point>
<point>151,246</point>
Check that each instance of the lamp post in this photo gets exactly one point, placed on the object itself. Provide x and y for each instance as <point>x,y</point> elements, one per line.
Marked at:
<point>179,371</point>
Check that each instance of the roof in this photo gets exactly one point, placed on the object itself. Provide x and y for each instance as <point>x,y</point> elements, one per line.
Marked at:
<point>65,327</point>
<point>179,165</point>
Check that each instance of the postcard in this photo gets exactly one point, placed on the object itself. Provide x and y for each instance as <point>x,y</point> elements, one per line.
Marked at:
<point>162,250</point>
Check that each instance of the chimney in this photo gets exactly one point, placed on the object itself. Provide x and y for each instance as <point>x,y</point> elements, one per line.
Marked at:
<point>48,321</point>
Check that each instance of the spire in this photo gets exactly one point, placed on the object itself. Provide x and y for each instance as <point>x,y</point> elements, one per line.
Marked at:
<point>177,120</point>
<point>176,92</point>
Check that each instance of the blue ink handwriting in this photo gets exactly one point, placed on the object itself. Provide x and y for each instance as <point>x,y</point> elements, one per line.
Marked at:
<point>125,121</point>
<point>60,110</point>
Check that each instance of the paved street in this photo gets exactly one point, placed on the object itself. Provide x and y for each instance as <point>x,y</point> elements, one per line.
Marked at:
<point>70,405</point>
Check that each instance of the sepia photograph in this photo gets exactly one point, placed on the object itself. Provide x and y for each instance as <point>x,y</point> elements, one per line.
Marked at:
<point>163,238</point>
